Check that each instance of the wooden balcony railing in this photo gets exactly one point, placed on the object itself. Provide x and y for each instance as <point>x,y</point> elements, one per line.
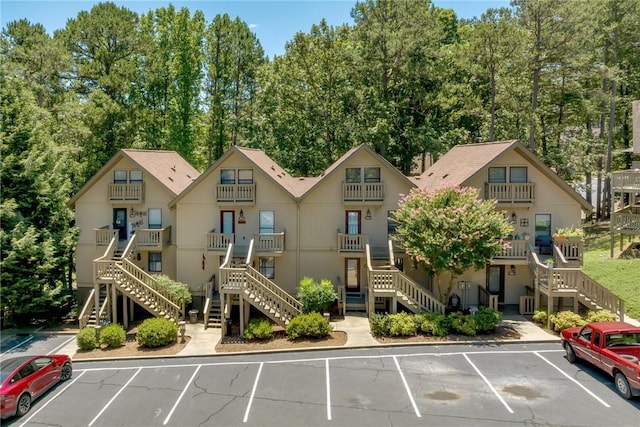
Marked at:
<point>125,192</point>
<point>511,193</point>
<point>367,192</point>
<point>515,249</point>
<point>351,242</point>
<point>219,241</point>
<point>104,235</point>
<point>269,242</point>
<point>625,221</point>
<point>236,193</point>
<point>570,250</point>
<point>153,238</point>
<point>625,180</point>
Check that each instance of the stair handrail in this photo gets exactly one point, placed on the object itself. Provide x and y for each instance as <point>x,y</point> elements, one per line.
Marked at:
<point>395,280</point>
<point>90,303</point>
<point>207,308</point>
<point>131,246</point>
<point>287,306</point>
<point>148,286</point>
<point>559,255</point>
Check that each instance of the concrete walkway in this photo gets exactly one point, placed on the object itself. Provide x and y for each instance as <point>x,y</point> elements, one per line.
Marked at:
<point>356,325</point>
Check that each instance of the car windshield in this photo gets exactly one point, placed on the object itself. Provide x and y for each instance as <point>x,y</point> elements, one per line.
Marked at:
<point>3,375</point>
<point>623,339</point>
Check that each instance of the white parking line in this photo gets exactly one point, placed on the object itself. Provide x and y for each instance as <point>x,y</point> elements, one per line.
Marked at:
<point>50,400</point>
<point>166,420</point>
<point>328,390</point>
<point>489,384</point>
<point>114,397</point>
<point>18,345</point>
<point>253,392</point>
<point>572,379</point>
<point>406,387</point>
<point>61,345</point>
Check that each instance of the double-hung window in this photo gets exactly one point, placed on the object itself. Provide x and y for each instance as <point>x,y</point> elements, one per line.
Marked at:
<point>155,262</point>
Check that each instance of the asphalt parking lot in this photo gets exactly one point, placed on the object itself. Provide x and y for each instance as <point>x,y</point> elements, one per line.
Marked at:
<point>479,385</point>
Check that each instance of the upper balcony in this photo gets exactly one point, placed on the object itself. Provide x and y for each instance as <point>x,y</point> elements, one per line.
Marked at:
<point>510,194</point>
<point>514,252</point>
<point>236,194</point>
<point>264,243</point>
<point>351,243</point>
<point>628,180</point>
<point>147,238</point>
<point>370,193</point>
<point>131,193</point>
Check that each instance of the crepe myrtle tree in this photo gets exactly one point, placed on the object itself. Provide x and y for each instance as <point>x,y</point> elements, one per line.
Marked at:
<point>449,229</point>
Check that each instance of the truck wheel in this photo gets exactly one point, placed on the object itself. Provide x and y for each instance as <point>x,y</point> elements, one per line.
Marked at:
<point>571,355</point>
<point>622,385</point>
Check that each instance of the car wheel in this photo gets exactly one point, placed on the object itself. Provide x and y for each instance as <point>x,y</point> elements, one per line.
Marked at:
<point>24,404</point>
<point>65,372</point>
<point>571,355</point>
<point>622,385</point>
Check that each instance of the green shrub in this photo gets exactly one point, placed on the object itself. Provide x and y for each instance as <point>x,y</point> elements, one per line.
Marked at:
<point>156,332</point>
<point>380,325</point>
<point>402,324</point>
<point>178,292</point>
<point>314,296</point>
<point>487,319</point>
<point>600,316</point>
<point>113,335</point>
<point>258,329</point>
<point>432,324</point>
<point>540,317</point>
<point>461,323</point>
<point>565,319</point>
<point>87,339</point>
<point>308,325</point>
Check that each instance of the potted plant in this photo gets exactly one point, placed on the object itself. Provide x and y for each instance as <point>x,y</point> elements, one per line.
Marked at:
<point>549,262</point>
<point>565,234</point>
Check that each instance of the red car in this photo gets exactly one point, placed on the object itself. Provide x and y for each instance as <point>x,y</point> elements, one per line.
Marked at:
<point>24,379</point>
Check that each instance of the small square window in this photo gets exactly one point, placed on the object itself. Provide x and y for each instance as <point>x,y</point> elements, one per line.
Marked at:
<point>135,177</point>
<point>371,174</point>
<point>119,177</point>
<point>353,175</point>
<point>227,176</point>
<point>268,267</point>
<point>245,176</point>
<point>155,262</point>
<point>498,175</point>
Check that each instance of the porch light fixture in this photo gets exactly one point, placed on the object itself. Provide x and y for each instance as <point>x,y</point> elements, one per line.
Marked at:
<point>241,219</point>
<point>368,215</point>
<point>514,218</point>
<point>139,257</point>
<point>512,270</point>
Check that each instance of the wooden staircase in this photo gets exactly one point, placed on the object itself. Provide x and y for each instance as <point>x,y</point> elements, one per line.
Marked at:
<point>214,318</point>
<point>389,282</point>
<point>116,269</point>
<point>571,283</point>
<point>258,290</point>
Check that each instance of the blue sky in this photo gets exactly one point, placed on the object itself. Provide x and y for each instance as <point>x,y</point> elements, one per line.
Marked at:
<point>273,22</point>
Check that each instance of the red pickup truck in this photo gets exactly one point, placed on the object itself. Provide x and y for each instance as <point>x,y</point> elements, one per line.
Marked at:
<point>613,347</point>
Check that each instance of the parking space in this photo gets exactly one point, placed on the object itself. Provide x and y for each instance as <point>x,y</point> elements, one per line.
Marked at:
<point>463,387</point>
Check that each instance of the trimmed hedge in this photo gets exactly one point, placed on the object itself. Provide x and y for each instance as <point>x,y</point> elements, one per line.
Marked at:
<point>569,319</point>
<point>87,338</point>
<point>157,332</point>
<point>565,319</point>
<point>308,325</point>
<point>113,335</point>
<point>258,329</point>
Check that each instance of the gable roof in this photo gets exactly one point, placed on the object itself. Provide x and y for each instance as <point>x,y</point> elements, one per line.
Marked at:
<point>168,168</point>
<point>291,185</point>
<point>352,153</point>
<point>464,162</point>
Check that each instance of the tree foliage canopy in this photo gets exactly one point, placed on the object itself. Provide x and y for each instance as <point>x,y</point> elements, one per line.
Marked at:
<point>449,230</point>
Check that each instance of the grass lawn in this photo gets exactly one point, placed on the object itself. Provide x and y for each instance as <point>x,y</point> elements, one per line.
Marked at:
<point>620,276</point>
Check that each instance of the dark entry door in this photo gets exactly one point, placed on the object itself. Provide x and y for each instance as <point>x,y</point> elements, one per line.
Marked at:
<point>495,281</point>
<point>120,222</point>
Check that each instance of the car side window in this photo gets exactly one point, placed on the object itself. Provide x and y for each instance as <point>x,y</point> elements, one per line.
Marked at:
<point>41,362</point>
<point>585,334</point>
<point>27,370</point>
<point>596,339</point>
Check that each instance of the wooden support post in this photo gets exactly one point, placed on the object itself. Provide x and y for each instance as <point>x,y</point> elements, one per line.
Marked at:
<point>125,312</point>
<point>97,302</point>
<point>241,303</point>
<point>114,308</point>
